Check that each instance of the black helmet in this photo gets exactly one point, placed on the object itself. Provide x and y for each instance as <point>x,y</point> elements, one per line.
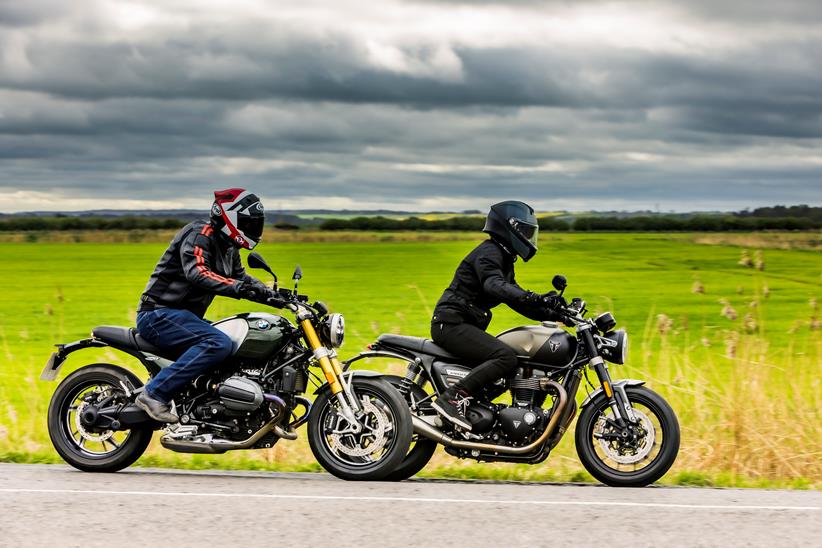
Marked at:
<point>514,225</point>
<point>240,215</point>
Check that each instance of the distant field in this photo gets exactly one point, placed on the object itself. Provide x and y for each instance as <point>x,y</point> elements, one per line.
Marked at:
<point>736,350</point>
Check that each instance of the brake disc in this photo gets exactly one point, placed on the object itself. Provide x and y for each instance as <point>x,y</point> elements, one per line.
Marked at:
<point>85,433</point>
<point>642,450</point>
<point>378,432</point>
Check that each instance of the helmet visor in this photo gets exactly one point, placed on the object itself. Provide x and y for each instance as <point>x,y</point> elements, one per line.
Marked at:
<point>529,232</point>
<point>251,226</point>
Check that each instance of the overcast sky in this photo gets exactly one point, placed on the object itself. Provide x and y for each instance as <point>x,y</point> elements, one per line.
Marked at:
<point>701,105</point>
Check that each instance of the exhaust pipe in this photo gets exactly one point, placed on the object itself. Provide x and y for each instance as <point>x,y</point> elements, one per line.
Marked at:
<point>221,445</point>
<point>425,429</point>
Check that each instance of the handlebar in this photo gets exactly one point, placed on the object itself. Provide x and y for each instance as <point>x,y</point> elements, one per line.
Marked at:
<point>294,301</point>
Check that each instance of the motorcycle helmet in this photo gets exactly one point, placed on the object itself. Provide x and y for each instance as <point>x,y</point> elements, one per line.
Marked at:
<point>514,225</point>
<point>240,216</point>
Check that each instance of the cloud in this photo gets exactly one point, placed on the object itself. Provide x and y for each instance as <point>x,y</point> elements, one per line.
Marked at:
<point>407,104</point>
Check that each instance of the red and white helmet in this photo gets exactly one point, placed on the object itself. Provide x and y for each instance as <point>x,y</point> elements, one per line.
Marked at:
<point>240,214</point>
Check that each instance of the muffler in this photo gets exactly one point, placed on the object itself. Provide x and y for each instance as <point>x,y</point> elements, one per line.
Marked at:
<point>433,433</point>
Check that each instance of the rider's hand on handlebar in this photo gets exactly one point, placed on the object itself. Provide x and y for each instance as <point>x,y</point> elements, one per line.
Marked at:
<point>256,291</point>
<point>276,301</point>
<point>554,301</point>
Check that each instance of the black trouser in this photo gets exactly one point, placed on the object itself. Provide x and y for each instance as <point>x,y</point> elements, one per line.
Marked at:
<point>495,358</point>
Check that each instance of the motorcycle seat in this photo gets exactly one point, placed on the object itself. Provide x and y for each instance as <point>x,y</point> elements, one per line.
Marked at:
<point>127,337</point>
<point>416,344</point>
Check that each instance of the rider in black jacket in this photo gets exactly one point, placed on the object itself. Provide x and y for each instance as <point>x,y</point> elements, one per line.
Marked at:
<point>483,280</point>
<point>202,261</point>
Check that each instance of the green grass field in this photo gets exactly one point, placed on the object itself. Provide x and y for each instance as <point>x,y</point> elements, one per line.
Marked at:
<point>735,349</point>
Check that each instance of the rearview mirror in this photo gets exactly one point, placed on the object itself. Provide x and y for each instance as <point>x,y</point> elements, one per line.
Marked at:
<point>255,260</point>
<point>298,273</point>
<point>559,282</point>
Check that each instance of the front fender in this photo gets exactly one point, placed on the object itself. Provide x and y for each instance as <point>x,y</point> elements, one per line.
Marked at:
<point>617,385</point>
<point>358,373</point>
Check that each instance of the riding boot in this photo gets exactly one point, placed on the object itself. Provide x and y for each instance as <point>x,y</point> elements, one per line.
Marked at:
<point>449,405</point>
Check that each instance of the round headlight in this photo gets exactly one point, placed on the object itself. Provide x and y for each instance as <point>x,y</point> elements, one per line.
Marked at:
<point>335,324</point>
<point>614,346</point>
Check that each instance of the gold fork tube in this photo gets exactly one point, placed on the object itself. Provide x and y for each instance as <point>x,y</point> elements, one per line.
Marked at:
<point>330,371</point>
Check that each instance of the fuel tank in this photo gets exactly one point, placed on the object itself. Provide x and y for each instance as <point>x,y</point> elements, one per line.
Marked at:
<point>546,344</point>
<point>257,334</point>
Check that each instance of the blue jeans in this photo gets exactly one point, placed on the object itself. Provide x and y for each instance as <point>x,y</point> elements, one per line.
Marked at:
<point>204,347</point>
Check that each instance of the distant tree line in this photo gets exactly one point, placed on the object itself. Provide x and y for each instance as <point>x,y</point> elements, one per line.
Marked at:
<point>780,211</point>
<point>17,223</point>
<point>801,217</point>
<point>697,223</point>
<point>656,223</point>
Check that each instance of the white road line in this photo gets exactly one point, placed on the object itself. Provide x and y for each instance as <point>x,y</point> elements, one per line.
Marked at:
<point>417,499</point>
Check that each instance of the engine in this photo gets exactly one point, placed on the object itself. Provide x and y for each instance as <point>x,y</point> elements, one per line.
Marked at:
<point>240,394</point>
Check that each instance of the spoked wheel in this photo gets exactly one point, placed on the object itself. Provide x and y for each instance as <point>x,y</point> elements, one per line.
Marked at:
<point>381,442</point>
<point>635,456</point>
<point>71,411</point>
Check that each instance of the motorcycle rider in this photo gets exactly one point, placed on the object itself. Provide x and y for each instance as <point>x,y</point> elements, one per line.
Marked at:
<point>483,280</point>
<point>202,261</point>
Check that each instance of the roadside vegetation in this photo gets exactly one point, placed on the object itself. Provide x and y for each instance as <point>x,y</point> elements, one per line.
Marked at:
<point>726,326</point>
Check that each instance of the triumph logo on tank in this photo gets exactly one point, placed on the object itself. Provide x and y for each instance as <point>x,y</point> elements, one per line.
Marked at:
<point>553,345</point>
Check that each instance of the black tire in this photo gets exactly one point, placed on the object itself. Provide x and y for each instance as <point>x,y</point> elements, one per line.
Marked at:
<point>657,464</point>
<point>59,421</point>
<point>351,467</point>
<point>422,449</point>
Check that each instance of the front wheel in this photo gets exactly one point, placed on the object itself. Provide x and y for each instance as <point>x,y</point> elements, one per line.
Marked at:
<point>635,456</point>
<point>380,445</point>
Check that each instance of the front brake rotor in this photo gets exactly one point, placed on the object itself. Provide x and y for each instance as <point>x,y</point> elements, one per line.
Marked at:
<point>642,449</point>
<point>378,432</point>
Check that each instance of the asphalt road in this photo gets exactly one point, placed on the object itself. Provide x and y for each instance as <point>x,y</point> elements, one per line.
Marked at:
<point>44,505</point>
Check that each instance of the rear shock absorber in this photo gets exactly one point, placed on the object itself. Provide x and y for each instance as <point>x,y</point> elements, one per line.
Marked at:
<point>410,379</point>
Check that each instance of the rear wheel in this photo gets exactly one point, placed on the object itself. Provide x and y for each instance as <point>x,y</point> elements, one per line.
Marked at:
<point>422,448</point>
<point>632,457</point>
<point>380,445</point>
<point>81,446</point>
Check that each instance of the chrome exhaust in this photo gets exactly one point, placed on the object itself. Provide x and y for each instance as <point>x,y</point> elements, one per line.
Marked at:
<point>429,431</point>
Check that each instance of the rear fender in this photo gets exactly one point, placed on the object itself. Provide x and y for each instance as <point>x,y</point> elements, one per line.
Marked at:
<point>423,360</point>
<point>151,362</point>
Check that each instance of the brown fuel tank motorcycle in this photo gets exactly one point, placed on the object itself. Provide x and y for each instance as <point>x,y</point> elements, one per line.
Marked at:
<point>626,434</point>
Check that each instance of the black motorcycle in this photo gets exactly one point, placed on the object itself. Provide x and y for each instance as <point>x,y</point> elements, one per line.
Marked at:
<point>359,427</point>
<point>626,434</point>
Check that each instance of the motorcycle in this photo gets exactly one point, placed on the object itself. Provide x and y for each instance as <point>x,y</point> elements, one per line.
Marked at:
<point>626,434</point>
<point>359,427</point>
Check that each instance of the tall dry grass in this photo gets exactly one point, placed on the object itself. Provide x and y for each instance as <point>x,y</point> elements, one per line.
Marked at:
<point>743,416</point>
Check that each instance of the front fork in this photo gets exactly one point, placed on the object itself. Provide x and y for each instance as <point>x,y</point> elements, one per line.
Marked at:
<point>332,369</point>
<point>617,398</point>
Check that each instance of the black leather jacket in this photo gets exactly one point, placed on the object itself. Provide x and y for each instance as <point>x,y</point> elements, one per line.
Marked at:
<point>199,263</point>
<point>483,280</point>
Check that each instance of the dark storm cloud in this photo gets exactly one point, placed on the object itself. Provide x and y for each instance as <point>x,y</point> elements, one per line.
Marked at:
<point>322,113</point>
